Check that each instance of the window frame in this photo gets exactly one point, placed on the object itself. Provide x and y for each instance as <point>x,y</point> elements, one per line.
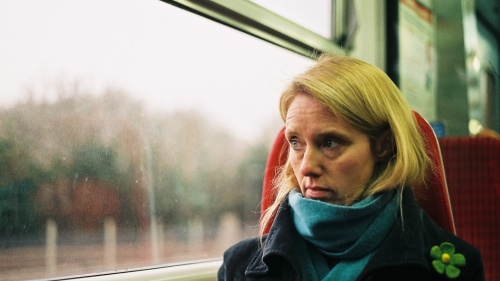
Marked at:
<point>257,21</point>
<point>195,271</point>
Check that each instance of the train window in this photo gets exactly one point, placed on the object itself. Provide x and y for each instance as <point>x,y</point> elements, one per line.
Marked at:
<point>132,134</point>
<point>317,17</point>
<point>286,29</point>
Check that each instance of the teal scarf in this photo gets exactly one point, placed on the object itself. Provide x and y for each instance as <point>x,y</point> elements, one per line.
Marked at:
<point>349,234</point>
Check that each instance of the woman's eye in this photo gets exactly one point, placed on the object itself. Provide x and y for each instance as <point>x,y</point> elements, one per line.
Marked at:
<point>330,144</point>
<point>294,144</point>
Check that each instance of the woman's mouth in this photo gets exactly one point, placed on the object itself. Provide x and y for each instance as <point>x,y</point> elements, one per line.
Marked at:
<point>319,193</point>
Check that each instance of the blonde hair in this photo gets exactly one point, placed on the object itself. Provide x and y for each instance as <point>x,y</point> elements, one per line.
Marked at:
<point>366,98</point>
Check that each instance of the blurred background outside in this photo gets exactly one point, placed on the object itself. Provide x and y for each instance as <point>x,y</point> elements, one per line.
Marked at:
<point>131,135</point>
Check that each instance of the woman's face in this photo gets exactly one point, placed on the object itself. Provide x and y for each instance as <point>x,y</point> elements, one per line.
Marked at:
<point>331,160</point>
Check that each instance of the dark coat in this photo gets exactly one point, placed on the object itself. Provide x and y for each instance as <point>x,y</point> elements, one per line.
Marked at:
<point>404,255</point>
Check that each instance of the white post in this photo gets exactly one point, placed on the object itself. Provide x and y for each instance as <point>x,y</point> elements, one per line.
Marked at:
<point>229,231</point>
<point>109,242</point>
<point>161,237</point>
<point>195,234</point>
<point>51,246</point>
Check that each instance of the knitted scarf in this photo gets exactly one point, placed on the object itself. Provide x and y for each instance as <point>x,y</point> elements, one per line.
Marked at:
<point>349,234</point>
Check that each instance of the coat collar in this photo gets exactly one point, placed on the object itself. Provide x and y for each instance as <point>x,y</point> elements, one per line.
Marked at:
<point>278,243</point>
<point>406,244</point>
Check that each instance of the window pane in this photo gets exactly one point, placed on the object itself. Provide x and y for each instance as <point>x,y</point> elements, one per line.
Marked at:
<point>316,17</point>
<point>130,135</point>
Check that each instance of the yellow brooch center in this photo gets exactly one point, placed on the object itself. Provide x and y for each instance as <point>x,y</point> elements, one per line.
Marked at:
<point>445,258</point>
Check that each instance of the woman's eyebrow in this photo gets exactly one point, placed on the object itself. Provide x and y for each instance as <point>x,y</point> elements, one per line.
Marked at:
<point>329,133</point>
<point>332,134</point>
<point>332,131</point>
<point>290,130</point>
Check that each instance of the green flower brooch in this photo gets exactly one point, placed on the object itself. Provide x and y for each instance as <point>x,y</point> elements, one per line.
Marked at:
<point>446,261</point>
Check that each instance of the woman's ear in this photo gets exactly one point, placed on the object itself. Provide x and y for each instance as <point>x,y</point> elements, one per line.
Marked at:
<point>384,146</point>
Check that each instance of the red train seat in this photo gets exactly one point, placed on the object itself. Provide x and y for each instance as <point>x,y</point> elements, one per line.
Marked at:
<point>472,167</point>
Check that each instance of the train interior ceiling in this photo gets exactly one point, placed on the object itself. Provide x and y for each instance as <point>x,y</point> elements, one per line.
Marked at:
<point>117,120</point>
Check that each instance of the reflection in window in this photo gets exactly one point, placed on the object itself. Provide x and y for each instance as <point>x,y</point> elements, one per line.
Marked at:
<point>130,135</point>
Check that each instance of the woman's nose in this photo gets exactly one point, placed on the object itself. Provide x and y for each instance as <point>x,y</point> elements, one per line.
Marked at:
<point>311,163</point>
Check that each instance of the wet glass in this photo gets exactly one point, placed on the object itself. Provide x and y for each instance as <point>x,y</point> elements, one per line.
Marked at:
<point>131,135</point>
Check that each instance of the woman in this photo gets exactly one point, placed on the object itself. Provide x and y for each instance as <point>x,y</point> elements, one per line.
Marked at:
<point>345,208</point>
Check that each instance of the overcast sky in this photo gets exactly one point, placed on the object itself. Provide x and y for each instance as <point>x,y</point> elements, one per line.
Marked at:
<point>167,57</point>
